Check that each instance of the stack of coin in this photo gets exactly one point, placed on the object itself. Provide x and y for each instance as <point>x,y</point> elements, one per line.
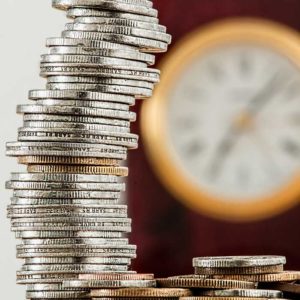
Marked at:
<point>67,208</point>
<point>233,278</point>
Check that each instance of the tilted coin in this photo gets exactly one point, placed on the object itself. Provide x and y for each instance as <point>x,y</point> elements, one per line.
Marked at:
<point>66,194</point>
<point>103,20</point>
<point>80,95</point>
<point>105,170</point>
<point>204,283</point>
<point>32,185</point>
<point>141,292</point>
<point>240,270</point>
<point>84,103</point>
<point>98,80</point>
<point>62,160</point>
<point>119,72</point>
<point>109,284</point>
<point>60,177</point>
<point>125,6</point>
<point>127,140</point>
<point>273,277</point>
<point>89,12</point>
<point>109,211</point>
<point>67,119</point>
<point>238,261</point>
<point>116,276</point>
<point>145,44</point>
<point>79,260</point>
<point>63,149</point>
<point>118,89</point>
<point>46,234</point>
<point>49,287</point>
<point>82,50</point>
<point>62,202</point>
<point>36,109</point>
<point>91,59</point>
<point>121,29</point>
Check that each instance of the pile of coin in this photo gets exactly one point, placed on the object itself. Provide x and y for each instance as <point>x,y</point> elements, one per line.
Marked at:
<point>67,207</point>
<point>235,278</point>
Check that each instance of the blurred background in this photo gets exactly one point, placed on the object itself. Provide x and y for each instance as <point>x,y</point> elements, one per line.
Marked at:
<point>168,229</point>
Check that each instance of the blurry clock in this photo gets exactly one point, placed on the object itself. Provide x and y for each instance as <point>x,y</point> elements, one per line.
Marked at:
<point>223,128</point>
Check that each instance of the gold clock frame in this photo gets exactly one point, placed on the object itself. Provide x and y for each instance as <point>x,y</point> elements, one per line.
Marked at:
<point>266,33</point>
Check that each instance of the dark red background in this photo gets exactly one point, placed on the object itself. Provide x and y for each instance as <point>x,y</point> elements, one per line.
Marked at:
<point>169,235</point>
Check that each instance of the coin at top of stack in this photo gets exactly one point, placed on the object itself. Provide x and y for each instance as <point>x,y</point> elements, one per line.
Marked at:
<point>67,207</point>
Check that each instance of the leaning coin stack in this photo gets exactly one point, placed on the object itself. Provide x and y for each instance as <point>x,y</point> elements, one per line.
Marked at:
<point>66,208</point>
<point>233,278</point>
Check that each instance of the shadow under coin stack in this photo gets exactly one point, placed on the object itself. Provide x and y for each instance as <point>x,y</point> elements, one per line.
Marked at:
<point>234,278</point>
<point>66,208</point>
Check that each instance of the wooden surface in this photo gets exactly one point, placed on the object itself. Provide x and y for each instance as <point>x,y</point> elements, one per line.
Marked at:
<point>168,235</point>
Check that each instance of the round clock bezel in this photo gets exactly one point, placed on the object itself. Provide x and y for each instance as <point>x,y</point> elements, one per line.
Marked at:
<point>242,30</point>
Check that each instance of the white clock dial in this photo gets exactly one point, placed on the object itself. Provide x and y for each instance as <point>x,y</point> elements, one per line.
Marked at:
<point>233,121</point>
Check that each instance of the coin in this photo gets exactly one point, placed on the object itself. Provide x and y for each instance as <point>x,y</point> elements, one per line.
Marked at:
<point>115,276</point>
<point>116,171</point>
<point>244,293</point>
<point>238,261</point>
<point>66,160</point>
<point>141,292</point>
<point>204,283</point>
<point>292,288</point>
<point>78,260</point>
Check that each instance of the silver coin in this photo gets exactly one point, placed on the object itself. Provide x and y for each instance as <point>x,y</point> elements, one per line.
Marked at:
<point>86,103</point>
<point>143,74</point>
<point>75,241</point>
<point>109,284</point>
<point>145,44</point>
<point>97,80</point>
<point>56,295</point>
<point>63,177</point>
<point>238,261</point>
<point>50,287</point>
<point>56,42</point>
<point>62,202</point>
<point>137,31</point>
<point>118,22</point>
<point>66,110</point>
<point>91,59</point>
<point>70,125</point>
<point>118,89</point>
<point>77,12</point>
<point>76,119</point>
<point>31,185</point>
<point>80,95</point>
<point>122,5</point>
<point>77,268</point>
<point>46,234</point>
<point>53,134</point>
<point>82,50</point>
<point>268,294</point>
<point>109,211</point>
<point>79,260</point>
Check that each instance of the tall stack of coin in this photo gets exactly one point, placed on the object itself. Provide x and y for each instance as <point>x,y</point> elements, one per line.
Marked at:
<point>66,208</point>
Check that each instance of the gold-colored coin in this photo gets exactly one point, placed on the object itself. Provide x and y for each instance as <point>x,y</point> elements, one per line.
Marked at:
<point>182,282</point>
<point>95,170</point>
<point>67,160</point>
<point>116,276</point>
<point>141,292</point>
<point>239,271</point>
<point>275,277</point>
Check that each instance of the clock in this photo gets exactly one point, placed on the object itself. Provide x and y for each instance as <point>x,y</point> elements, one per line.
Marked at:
<point>222,130</point>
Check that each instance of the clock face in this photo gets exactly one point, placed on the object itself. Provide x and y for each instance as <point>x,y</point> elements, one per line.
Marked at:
<point>223,127</point>
<point>233,121</point>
